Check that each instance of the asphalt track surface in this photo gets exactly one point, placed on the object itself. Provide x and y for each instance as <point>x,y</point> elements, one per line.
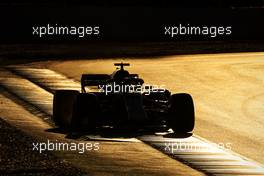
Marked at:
<point>224,86</point>
<point>227,90</point>
<point>23,107</point>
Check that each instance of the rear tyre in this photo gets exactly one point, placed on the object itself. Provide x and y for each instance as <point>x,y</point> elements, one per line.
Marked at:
<point>181,113</point>
<point>63,101</point>
<point>85,113</point>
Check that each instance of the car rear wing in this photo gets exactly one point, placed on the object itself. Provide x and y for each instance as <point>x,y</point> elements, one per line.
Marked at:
<point>121,65</point>
<point>94,80</point>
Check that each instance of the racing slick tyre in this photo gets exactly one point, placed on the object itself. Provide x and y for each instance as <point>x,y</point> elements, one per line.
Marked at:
<point>86,112</point>
<point>63,102</point>
<point>181,113</point>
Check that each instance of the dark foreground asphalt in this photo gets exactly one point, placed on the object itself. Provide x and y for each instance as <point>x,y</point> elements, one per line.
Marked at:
<point>17,157</point>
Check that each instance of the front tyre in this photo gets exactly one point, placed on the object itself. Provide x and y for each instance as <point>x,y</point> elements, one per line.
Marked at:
<point>181,113</point>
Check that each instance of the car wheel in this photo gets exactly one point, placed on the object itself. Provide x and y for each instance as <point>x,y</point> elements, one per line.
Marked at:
<point>181,113</point>
<point>63,101</point>
<point>85,113</point>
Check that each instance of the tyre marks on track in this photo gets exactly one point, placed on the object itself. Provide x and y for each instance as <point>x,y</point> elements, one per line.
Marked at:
<point>29,92</point>
<point>45,78</point>
<point>193,151</point>
<point>204,155</point>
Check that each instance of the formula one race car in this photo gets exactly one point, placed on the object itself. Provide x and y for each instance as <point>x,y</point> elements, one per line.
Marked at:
<point>122,100</point>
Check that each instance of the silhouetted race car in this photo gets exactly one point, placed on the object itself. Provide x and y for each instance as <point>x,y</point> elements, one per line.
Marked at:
<point>122,100</point>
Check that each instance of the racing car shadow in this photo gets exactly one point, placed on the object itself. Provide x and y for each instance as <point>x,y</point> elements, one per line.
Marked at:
<point>57,130</point>
<point>118,133</point>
